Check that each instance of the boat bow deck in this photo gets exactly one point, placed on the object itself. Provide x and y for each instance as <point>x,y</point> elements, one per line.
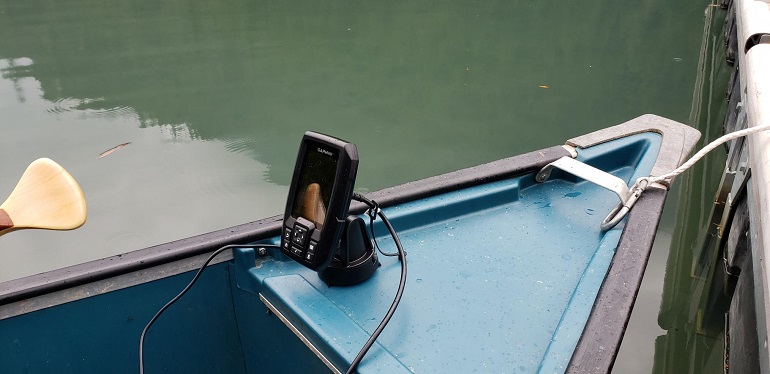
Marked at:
<point>501,275</point>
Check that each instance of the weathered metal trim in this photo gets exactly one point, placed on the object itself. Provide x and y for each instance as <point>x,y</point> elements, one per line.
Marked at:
<point>108,285</point>
<point>678,139</point>
<point>36,285</point>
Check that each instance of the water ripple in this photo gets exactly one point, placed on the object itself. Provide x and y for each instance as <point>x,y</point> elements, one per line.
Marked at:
<point>64,105</point>
<point>240,145</point>
<point>93,107</point>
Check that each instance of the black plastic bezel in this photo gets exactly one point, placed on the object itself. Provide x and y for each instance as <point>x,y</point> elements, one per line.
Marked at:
<point>337,211</point>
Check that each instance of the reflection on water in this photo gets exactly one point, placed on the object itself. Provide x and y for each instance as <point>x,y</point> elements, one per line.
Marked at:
<point>213,98</point>
<point>166,184</point>
<point>375,73</point>
<point>691,340</point>
<point>688,304</point>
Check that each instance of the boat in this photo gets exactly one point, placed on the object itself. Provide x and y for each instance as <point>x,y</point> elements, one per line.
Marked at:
<point>525,264</point>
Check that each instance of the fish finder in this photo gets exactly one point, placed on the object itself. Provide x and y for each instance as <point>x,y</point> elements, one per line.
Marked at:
<point>317,231</point>
<point>319,198</point>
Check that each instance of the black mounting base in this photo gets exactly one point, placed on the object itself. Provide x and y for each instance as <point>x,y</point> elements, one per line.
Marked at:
<point>355,260</point>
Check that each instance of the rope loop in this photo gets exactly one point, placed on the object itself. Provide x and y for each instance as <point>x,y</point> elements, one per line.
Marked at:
<point>619,211</point>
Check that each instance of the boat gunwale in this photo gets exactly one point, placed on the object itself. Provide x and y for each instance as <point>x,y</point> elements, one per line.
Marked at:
<point>96,270</point>
<point>611,312</point>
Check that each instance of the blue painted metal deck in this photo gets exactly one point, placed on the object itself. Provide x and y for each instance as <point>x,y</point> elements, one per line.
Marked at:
<point>502,276</point>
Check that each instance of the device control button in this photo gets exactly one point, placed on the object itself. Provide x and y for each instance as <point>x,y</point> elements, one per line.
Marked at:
<point>296,251</point>
<point>309,257</point>
<point>311,247</point>
<point>286,233</point>
<point>300,236</point>
<point>286,245</point>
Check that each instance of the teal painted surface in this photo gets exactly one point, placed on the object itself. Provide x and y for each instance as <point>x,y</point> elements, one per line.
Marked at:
<point>501,276</point>
<point>268,346</point>
<point>101,334</point>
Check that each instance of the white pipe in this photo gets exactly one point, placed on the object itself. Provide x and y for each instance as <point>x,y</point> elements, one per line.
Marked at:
<point>753,18</point>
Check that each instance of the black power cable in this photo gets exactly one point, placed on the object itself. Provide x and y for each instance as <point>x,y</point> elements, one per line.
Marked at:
<point>184,291</point>
<point>372,213</point>
<point>374,208</point>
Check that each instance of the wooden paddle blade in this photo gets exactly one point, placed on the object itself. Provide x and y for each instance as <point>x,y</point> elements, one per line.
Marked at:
<point>46,197</point>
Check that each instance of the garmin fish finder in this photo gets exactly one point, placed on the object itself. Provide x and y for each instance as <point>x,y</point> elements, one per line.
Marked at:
<point>319,198</point>
<point>317,231</point>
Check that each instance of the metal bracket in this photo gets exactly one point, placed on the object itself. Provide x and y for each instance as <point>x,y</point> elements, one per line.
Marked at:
<point>588,173</point>
<point>628,196</point>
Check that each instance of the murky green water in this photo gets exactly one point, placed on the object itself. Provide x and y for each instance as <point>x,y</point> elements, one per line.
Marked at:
<point>689,309</point>
<point>214,97</point>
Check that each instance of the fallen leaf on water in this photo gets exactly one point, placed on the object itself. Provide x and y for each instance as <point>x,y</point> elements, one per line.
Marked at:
<point>113,149</point>
<point>544,87</point>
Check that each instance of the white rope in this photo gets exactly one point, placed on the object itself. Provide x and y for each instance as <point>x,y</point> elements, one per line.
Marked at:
<point>716,143</point>
<point>620,211</point>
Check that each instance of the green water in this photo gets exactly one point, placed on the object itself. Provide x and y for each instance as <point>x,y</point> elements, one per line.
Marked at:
<point>214,97</point>
<point>690,311</point>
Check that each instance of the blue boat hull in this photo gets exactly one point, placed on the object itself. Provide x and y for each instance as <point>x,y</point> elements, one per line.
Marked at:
<point>505,274</point>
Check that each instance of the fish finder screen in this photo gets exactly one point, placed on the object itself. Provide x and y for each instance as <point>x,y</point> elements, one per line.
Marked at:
<point>316,181</point>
